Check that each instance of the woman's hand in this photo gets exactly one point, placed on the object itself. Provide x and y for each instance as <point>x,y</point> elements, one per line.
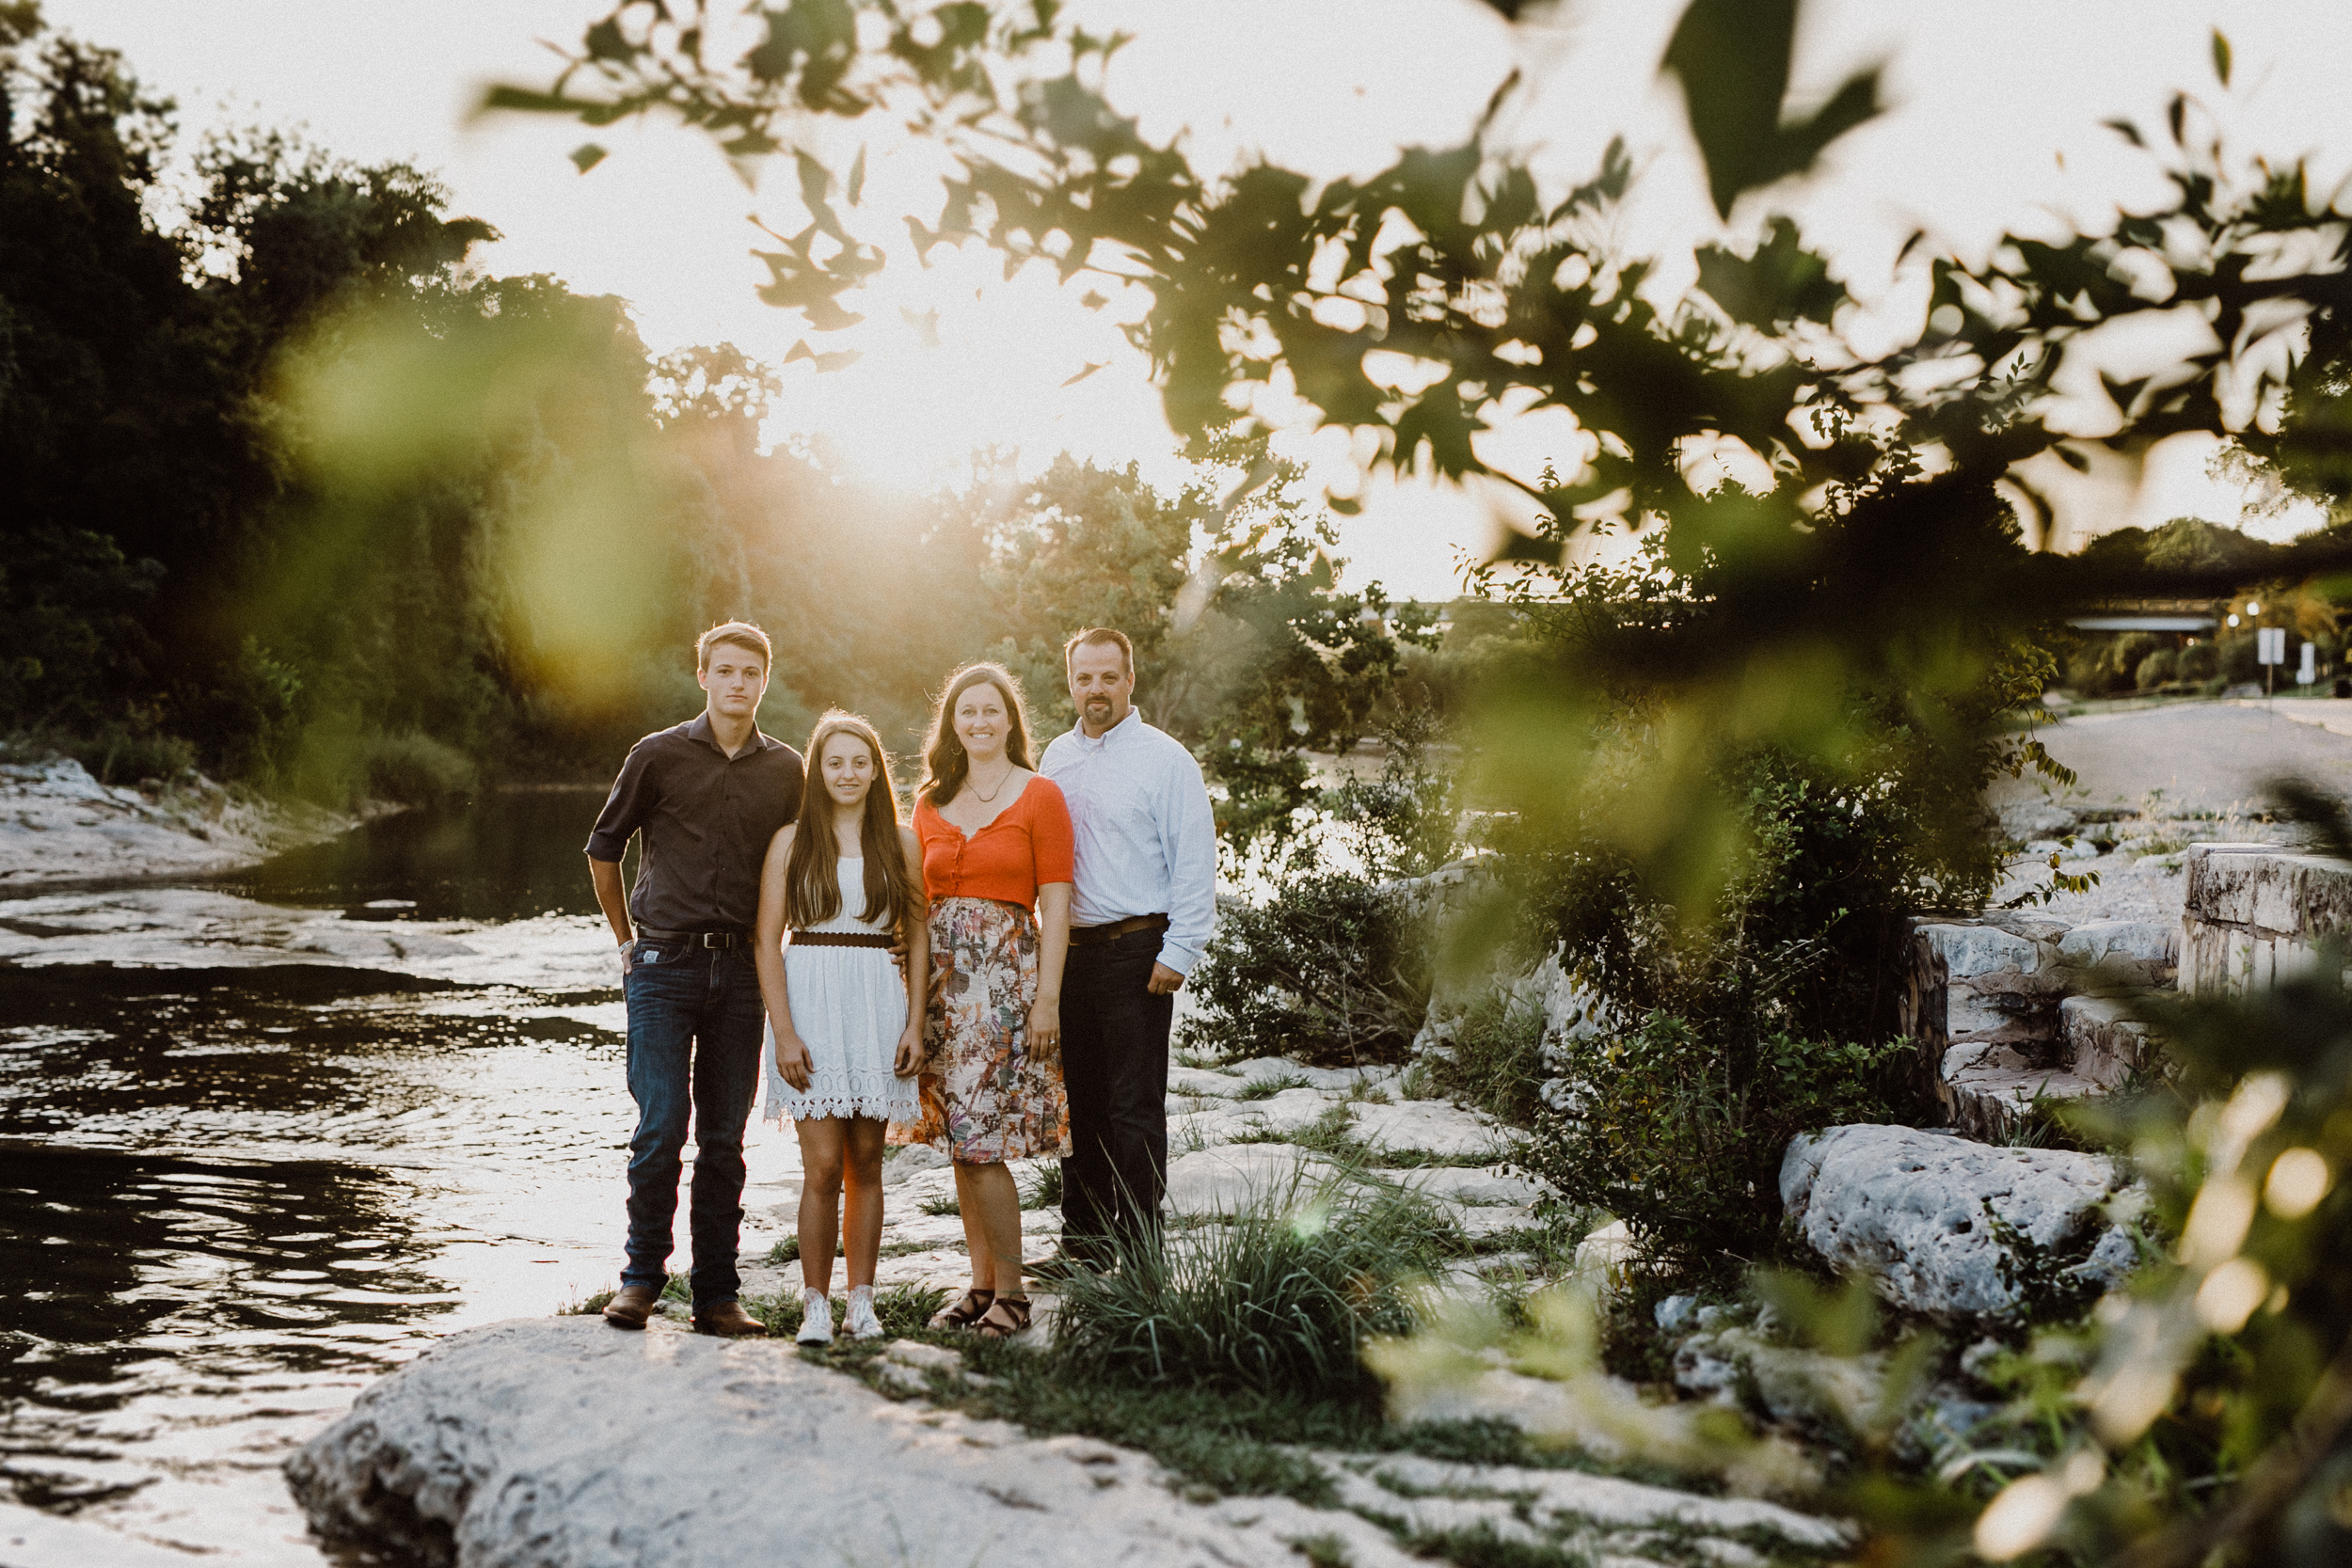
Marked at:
<point>793,1060</point>
<point>1045,1024</point>
<point>909,1061</point>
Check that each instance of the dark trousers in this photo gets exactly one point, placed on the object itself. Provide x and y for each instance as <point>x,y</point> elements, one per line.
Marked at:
<point>693,1049</point>
<point>1114,1053</point>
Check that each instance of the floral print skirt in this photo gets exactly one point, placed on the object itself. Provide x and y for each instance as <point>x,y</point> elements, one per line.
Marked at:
<point>986,1095</point>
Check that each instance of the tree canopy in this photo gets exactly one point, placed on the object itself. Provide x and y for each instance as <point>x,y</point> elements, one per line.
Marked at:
<point>1883,534</point>
<point>296,488</point>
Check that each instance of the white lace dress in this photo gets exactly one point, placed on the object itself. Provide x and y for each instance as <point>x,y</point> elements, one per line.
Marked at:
<point>848,1007</point>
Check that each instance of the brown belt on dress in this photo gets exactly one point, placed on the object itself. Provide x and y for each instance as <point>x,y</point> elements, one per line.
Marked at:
<point>838,939</point>
<point>1081,936</point>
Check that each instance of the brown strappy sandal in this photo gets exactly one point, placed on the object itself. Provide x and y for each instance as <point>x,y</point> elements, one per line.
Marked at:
<point>1014,1318</point>
<point>964,1313</point>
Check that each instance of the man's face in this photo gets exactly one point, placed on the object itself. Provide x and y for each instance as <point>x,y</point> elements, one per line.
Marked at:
<point>1100,684</point>
<point>736,678</point>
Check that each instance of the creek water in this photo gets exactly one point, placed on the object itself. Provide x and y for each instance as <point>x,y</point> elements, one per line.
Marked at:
<point>261,1141</point>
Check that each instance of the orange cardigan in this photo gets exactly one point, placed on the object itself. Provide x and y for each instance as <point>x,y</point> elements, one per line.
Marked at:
<point>1027,847</point>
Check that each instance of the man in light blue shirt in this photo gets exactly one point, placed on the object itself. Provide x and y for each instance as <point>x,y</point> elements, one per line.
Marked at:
<point>1141,913</point>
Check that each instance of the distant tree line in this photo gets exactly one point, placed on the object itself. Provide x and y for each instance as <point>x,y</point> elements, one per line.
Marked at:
<point>2098,663</point>
<point>297,496</point>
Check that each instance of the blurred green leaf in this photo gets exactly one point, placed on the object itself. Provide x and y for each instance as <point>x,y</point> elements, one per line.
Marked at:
<point>1732,58</point>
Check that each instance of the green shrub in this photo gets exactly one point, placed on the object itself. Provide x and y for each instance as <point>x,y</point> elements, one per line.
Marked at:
<point>412,769</point>
<point>1495,1061</point>
<point>1681,1135</point>
<point>128,752</point>
<point>2157,669</point>
<point>2133,646</point>
<point>2198,663</point>
<point>1282,1300</point>
<point>1334,971</point>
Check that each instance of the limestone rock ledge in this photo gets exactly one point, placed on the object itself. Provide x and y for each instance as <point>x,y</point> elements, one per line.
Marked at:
<point>1918,1212</point>
<point>564,1443</point>
<point>59,827</point>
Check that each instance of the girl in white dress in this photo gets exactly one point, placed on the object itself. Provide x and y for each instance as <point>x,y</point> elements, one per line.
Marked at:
<point>845,1022</point>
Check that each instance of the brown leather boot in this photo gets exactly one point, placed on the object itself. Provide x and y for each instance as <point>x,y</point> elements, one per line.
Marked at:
<point>728,1320</point>
<point>632,1306</point>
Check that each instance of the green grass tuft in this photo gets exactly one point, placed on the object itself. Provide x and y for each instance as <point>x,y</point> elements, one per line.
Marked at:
<point>1045,1192</point>
<point>1494,1063</point>
<point>1266,1088</point>
<point>1282,1299</point>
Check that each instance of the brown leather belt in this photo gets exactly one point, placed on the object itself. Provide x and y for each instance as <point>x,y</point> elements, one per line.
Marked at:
<point>699,939</point>
<point>838,939</point>
<point>1082,936</point>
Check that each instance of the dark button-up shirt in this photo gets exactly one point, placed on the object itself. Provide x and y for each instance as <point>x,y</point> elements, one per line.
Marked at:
<point>706,819</point>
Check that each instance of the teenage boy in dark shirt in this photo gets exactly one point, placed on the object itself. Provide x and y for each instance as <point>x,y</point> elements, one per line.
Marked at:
<point>707,795</point>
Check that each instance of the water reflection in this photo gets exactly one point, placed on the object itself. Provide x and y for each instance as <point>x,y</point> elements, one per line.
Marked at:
<point>498,857</point>
<point>230,1198</point>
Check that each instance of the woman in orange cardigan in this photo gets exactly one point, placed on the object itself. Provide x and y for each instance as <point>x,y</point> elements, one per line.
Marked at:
<point>996,867</point>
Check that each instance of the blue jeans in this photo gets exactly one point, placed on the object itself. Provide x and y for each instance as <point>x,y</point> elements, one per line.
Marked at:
<point>693,1045</point>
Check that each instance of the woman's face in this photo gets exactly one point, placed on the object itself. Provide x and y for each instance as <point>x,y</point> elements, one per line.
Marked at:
<point>981,720</point>
<point>847,765</point>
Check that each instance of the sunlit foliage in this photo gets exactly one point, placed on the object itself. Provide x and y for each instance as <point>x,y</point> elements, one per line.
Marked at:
<point>1872,573</point>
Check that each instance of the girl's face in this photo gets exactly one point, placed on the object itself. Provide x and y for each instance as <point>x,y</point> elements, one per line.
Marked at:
<point>981,722</point>
<point>847,765</point>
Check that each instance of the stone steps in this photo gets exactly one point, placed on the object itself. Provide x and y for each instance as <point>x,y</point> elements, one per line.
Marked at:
<point>2011,1007</point>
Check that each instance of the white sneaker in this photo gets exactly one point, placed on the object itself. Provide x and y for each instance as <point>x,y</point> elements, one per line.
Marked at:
<point>816,1320</point>
<point>859,1322</point>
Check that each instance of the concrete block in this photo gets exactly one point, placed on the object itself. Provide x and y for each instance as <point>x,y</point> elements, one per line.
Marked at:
<point>2101,1043</point>
<point>1969,951</point>
<point>2123,952</point>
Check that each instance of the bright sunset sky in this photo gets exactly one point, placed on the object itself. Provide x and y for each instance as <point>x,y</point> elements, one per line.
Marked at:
<point>1995,127</point>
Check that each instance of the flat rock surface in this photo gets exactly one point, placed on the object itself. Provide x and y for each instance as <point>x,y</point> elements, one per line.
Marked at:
<point>180,927</point>
<point>59,825</point>
<point>562,1443</point>
<point>1437,1495</point>
<point>1430,1127</point>
<point>1233,1176</point>
<point>1915,1211</point>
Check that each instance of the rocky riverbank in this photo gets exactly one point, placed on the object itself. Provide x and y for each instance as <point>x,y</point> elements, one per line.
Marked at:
<point>60,827</point>
<point>560,1441</point>
<point>563,1442</point>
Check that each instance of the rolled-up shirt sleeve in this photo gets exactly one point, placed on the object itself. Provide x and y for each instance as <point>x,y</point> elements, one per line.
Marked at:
<point>625,809</point>
<point>1188,840</point>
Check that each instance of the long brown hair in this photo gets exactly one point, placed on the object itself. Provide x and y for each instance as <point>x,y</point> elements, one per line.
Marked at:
<point>945,762</point>
<point>812,872</point>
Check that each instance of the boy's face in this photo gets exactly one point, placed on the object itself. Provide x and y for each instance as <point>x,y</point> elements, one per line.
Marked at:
<point>736,678</point>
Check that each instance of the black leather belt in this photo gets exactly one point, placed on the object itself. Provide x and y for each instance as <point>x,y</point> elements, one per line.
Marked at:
<point>734,938</point>
<point>1081,936</point>
<point>839,939</point>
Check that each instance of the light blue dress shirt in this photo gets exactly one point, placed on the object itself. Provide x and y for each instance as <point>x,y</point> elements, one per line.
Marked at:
<point>1145,835</point>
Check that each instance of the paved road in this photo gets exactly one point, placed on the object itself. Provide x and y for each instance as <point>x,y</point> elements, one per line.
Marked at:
<point>2200,754</point>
